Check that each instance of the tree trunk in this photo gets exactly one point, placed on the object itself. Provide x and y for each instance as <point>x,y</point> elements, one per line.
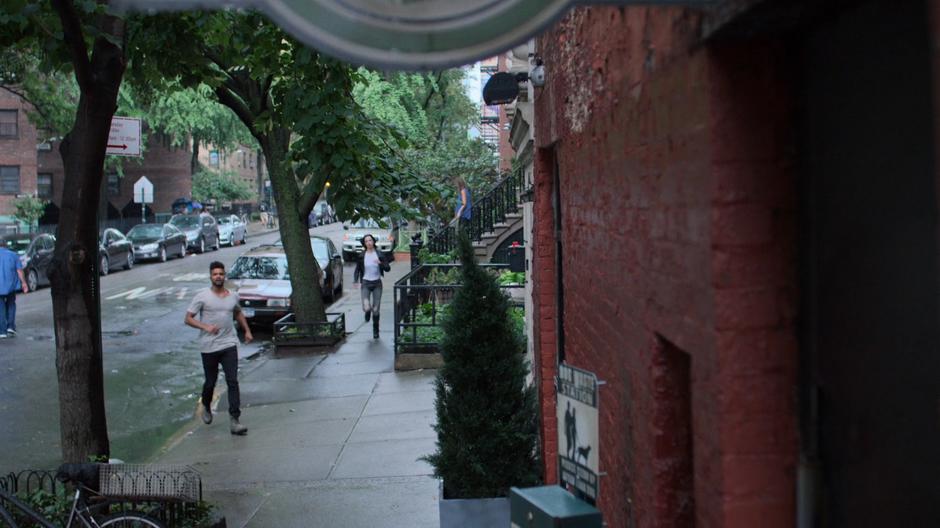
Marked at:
<point>306,297</point>
<point>74,269</point>
<point>194,161</point>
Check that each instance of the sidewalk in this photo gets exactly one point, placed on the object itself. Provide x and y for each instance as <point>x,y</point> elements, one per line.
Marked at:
<point>333,439</point>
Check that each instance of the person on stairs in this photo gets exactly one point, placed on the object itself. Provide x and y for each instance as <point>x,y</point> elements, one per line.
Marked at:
<point>371,265</point>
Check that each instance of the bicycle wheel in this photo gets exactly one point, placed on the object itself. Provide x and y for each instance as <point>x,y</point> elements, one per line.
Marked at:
<point>130,519</point>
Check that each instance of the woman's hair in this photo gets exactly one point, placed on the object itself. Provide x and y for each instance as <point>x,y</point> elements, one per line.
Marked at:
<point>362,240</point>
<point>459,182</point>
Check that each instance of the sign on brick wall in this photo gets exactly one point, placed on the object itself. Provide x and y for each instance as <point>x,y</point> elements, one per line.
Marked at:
<point>578,439</point>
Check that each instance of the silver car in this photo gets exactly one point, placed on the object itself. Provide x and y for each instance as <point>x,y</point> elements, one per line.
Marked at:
<point>232,230</point>
<point>385,237</point>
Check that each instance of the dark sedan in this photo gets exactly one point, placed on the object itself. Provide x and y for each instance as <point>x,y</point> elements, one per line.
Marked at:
<point>35,253</point>
<point>157,241</point>
<point>114,250</point>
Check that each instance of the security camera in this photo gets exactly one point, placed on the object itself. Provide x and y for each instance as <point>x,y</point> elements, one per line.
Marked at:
<point>537,76</point>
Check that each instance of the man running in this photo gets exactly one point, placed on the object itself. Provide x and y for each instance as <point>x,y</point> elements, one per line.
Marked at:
<point>216,307</point>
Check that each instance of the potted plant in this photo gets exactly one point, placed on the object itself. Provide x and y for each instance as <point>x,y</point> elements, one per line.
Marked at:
<point>486,413</point>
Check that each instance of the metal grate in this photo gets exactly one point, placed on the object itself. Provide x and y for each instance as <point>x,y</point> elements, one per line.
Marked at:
<point>147,481</point>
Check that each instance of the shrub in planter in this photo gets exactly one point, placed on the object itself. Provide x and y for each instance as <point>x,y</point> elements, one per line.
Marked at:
<point>486,414</point>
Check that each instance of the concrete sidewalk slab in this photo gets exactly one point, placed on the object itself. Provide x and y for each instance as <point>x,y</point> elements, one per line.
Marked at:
<point>398,426</point>
<point>398,458</point>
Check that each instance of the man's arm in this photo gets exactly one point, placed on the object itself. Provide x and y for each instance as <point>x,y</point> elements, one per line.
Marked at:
<point>19,271</point>
<point>191,321</point>
<point>243,321</point>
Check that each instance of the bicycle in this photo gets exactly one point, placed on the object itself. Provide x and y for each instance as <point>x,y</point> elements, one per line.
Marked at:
<point>84,477</point>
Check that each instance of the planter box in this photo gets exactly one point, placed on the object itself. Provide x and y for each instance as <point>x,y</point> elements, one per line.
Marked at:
<point>472,513</point>
<point>288,334</point>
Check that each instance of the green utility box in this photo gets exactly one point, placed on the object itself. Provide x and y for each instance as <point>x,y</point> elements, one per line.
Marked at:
<point>550,507</point>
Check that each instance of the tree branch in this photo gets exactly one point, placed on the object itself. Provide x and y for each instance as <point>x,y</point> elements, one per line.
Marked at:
<point>75,41</point>
<point>434,89</point>
<point>309,196</point>
<point>228,98</point>
<point>22,95</point>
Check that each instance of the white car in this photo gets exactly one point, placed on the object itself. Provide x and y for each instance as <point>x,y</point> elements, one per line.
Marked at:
<point>352,240</point>
<point>231,230</point>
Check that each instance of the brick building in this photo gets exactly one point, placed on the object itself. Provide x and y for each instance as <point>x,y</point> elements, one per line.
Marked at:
<point>736,227</point>
<point>17,153</point>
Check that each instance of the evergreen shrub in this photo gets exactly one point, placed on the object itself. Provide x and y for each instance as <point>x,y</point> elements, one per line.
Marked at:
<point>487,425</point>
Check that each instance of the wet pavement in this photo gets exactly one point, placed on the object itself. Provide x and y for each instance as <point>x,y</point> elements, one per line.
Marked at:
<point>152,368</point>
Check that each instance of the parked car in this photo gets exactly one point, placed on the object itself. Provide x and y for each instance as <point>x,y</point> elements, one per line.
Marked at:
<point>331,264</point>
<point>385,237</point>
<point>157,241</point>
<point>201,231</point>
<point>262,280</point>
<point>231,229</point>
<point>35,257</point>
<point>114,249</point>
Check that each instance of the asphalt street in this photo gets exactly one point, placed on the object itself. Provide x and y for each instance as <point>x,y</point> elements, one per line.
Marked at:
<point>153,373</point>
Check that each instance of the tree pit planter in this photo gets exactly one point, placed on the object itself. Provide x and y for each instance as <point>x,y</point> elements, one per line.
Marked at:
<point>472,513</point>
<point>290,336</point>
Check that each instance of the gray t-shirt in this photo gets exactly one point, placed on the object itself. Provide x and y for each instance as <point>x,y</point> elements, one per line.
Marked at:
<point>220,311</point>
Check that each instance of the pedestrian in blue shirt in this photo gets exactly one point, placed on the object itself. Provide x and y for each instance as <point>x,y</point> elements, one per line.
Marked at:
<point>463,210</point>
<point>11,280</point>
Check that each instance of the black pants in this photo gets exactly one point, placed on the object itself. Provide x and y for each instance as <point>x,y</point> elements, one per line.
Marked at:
<point>228,357</point>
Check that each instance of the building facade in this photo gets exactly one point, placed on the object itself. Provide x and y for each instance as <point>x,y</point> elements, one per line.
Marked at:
<point>18,146</point>
<point>735,227</point>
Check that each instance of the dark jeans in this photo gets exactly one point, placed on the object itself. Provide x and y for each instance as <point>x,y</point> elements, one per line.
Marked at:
<point>463,224</point>
<point>7,312</point>
<point>228,357</point>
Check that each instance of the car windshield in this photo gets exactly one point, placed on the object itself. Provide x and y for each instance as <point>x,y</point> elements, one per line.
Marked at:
<point>18,245</point>
<point>185,221</point>
<point>267,267</point>
<point>320,250</point>
<point>224,220</point>
<point>145,231</point>
<point>366,223</point>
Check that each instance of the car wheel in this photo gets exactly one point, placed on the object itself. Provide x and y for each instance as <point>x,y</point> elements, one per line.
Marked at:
<point>129,263</point>
<point>103,266</point>
<point>163,254</point>
<point>339,287</point>
<point>183,250</point>
<point>32,280</point>
<point>242,240</point>
<point>202,245</point>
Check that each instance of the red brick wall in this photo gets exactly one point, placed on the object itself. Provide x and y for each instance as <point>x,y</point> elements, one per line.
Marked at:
<point>168,168</point>
<point>19,151</point>
<point>679,228</point>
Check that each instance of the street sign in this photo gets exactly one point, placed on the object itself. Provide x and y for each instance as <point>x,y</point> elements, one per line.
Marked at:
<point>576,411</point>
<point>124,137</point>
<point>414,34</point>
<point>143,191</point>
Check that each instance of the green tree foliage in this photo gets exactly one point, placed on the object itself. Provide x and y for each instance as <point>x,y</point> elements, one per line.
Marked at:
<point>222,186</point>
<point>298,105</point>
<point>29,209</point>
<point>486,413</point>
<point>433,112</point>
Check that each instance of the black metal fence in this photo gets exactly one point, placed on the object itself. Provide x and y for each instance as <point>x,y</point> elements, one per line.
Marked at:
<point>502,200</point>
<point>172,508</point>
<point>421,298</point>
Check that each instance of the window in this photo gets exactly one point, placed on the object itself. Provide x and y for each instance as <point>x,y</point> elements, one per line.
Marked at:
<point>114,184</point>
<point>8,128</point>
<point>10,180</point>
<point>44,185</point>
<point>213,158</point>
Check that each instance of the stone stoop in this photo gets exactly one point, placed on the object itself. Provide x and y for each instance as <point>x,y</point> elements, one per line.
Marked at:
<point>485,248</point>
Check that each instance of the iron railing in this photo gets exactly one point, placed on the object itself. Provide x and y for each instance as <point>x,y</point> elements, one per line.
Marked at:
<point>492,209</point>
<point>419,301</point>
<point>170,493</point>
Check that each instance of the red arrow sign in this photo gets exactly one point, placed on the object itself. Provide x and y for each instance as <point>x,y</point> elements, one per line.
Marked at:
<point>118,146</point>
